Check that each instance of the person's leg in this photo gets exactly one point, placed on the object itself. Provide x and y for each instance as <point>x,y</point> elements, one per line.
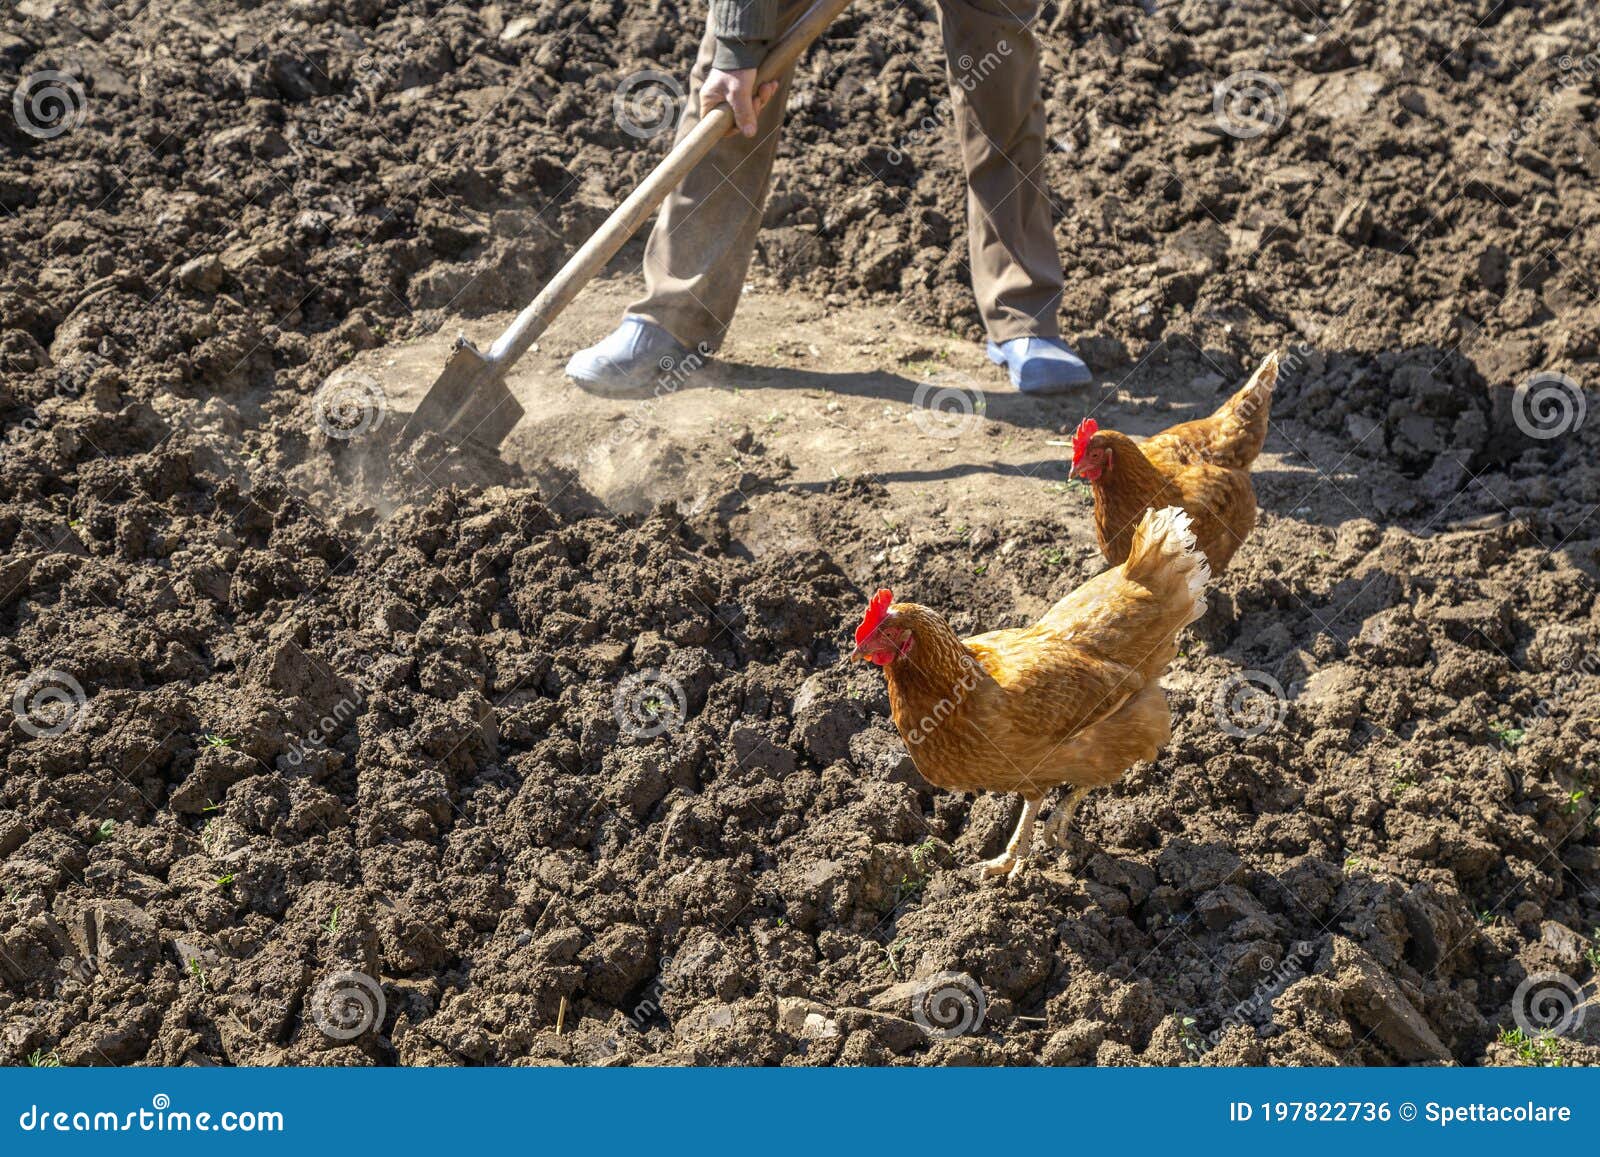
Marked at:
<point>699,251</point>
<point>993,64</point>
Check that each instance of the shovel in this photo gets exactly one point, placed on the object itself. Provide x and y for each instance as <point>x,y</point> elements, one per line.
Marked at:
<point>470,399</point>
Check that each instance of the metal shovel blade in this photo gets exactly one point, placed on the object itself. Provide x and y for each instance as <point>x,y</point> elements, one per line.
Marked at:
<point>469,401</point>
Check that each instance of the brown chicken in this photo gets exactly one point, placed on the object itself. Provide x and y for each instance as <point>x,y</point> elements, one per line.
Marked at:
<point>1202,466</point>
<point>1073,700</point>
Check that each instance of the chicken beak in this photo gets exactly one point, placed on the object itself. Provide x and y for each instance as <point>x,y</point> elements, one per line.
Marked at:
<point>859,655</point>
<point>1072,471</point>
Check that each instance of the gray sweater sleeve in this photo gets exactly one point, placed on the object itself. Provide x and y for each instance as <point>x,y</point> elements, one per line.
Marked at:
<point>744,29</point>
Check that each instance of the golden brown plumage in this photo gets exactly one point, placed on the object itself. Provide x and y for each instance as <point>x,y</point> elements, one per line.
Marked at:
<point>1075,699</point>
<point>1202,466</point>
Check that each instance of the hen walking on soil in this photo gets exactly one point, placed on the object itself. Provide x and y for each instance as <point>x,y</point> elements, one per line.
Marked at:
<point>1075,699</point>
<point>1202,466</point>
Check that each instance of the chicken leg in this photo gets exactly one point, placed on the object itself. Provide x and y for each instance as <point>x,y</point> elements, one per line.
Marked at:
<point>1009,862</point>
<point>1056,830</point>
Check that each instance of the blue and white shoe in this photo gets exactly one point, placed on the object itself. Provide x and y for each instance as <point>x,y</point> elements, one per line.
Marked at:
<point>1040,365</point>
<point>638,359</point>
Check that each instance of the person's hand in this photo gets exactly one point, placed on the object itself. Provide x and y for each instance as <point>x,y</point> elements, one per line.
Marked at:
<point>737,90</point>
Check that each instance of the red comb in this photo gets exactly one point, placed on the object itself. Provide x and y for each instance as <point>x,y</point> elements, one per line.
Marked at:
<point>1087,429</point>
<point>877,610</point>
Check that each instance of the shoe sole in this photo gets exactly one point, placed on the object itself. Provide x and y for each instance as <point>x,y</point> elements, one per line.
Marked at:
<point>610,388</point>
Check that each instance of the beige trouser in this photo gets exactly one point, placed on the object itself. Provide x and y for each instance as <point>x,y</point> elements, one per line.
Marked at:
<point>699,251</point>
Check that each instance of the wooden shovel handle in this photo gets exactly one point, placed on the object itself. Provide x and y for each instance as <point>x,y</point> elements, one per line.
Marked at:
<point>642,203</point>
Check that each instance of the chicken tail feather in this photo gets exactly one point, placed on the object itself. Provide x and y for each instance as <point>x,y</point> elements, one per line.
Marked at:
<point>1265,379</point>
<point>1163,549</point>
<point>1240,426</point>
<point>1256,395</point>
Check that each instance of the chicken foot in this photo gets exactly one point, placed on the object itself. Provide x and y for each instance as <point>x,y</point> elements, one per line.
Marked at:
<point>1056,829</point>
<point>1009,862</point>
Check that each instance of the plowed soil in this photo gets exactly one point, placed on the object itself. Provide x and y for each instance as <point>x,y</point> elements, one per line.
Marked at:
<point>551,757</point>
